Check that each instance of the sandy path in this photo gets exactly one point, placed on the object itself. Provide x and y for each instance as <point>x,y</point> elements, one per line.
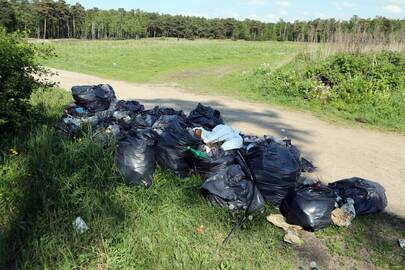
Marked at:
<point>339,152</point>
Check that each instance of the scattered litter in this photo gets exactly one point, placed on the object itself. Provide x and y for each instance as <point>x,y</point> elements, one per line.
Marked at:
<point>201,229</point>
<point>293,238</point>
<point>344,215</point>
<point>313,266</point>
<point>79,225</point>
<point>402,243</point>
<point>341,218</point>
<point>291,231</point>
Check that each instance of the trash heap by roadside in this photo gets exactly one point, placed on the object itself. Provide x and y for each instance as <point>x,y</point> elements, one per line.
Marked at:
<point>239,172</point>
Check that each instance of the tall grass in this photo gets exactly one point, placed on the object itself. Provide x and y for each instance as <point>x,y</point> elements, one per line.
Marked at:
<point>318,51</point>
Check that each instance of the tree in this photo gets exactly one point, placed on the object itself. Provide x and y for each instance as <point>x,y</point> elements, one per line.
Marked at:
<point>7,18</point>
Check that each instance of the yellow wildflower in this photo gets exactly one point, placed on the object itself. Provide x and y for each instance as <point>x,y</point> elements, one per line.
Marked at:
<point>13,152</point>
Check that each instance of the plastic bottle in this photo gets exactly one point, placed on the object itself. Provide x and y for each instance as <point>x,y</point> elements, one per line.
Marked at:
<point>197,153</point>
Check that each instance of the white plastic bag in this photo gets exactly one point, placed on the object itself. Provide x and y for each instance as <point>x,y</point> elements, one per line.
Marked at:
<point>223,133</point>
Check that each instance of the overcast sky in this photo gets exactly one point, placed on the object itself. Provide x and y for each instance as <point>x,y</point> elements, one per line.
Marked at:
<point>264,10</point>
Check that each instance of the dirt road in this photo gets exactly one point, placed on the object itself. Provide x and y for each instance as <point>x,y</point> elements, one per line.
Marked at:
<point>338,151</point>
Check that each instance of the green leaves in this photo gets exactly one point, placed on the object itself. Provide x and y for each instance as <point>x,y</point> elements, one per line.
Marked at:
<point>20,75</point>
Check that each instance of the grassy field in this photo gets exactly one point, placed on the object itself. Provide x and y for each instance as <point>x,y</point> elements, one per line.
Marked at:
<point>47,181</point>
<point>199,64</point>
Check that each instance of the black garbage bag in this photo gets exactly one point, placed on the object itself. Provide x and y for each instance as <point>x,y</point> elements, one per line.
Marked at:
<point>135,157</point>
<point>369,197</point>
<point>230,189</point>
<point>309,206</point>
<point>94,98</point>
<point>172,152</point>
<point>205,116</point>
<point>132,106</point>
<point>276,168</point>
<point>217,161</point>
<point>164,121</point>
<point>149,117</point>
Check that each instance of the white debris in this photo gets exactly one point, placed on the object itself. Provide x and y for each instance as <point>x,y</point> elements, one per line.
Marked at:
<point>223,133</point>
<point>79,225</point>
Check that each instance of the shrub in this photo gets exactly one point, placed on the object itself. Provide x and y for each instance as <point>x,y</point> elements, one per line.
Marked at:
<point>370,86</point>
<point>20,75</point>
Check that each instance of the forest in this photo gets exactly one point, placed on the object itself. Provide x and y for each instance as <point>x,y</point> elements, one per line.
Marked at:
<point>47,19</point>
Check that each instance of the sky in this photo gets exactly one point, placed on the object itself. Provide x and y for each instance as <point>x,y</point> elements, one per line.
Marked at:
<point>263,10</point>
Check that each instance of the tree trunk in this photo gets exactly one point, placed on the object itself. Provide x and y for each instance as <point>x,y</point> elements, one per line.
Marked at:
<point>93,30</point>
<point>44,28</point>
<point>74,28</point>
<point>68,29</point>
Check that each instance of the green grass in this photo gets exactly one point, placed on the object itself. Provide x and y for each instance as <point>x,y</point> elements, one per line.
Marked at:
<point>52,180</point>
<point>198,63</point>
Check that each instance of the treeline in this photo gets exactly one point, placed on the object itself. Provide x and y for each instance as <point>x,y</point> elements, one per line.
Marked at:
<point>57,19</point>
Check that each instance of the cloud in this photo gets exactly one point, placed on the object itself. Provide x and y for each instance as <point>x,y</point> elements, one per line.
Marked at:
<point>393,9</point>
<point>282,3</point>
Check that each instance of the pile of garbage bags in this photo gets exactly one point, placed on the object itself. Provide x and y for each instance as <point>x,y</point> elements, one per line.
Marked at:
<point>239,172</point>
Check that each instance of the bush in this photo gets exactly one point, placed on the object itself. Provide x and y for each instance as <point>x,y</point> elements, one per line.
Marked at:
<point>20,75</point>
<point>370,86</point>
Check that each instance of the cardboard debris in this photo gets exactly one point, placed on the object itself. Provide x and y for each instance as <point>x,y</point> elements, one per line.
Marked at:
<point>341,218</point>
<point>292,231</point>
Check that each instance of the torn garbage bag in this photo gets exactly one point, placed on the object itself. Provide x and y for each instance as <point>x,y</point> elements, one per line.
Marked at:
<point>172,148</point>
<point>309,206</point>
<point>136,157</point>
<point>229,137</point>
<point>94,98</point>
<point>368,196</point>
<point>276,168</point>
<point>205,116</point>
<point>230,189</point>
